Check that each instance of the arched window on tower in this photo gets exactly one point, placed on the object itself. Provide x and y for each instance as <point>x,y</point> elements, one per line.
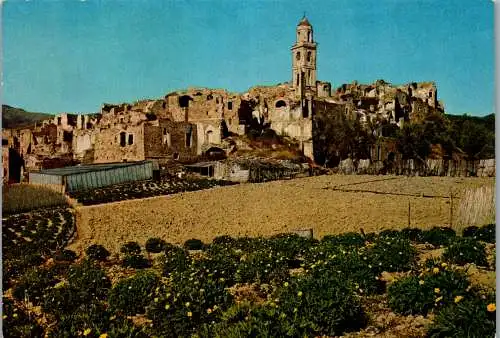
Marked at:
<point>297,56</point>
<point>309,37</point>
<point>309,56</point>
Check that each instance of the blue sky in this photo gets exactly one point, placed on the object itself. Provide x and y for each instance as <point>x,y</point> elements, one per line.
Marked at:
<point>71,56</point>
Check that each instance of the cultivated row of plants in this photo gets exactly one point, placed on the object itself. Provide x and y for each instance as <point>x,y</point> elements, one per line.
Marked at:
<point>142,189</point>
<point>31,238</point>
<point>299,287</point>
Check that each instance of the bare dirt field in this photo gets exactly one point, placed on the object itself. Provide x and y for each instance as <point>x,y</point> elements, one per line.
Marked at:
<point>275,207</point>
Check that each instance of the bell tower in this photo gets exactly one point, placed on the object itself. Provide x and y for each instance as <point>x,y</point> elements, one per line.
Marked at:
<point>304,59</point>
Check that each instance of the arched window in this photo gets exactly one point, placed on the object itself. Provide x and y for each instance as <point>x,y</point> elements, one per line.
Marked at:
<point>184,101</point>
<point>280,104</point>
<point>309,38</point>
<point>297,56</point>
<point>308,56</point>
<point>209,138</point>
<point>130,139</point>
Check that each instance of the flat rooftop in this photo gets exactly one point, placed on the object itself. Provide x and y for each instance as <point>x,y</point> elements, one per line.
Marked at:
<point>80,169</point>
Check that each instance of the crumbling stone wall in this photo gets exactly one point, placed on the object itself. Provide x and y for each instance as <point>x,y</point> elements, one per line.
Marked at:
<point>119,143</point>
<point>170,139</point>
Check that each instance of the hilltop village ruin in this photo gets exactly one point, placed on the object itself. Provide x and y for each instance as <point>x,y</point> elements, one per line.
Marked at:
<point>188,123</point>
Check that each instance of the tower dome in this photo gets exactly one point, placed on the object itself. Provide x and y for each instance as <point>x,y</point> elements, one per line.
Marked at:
<point>304,22</point>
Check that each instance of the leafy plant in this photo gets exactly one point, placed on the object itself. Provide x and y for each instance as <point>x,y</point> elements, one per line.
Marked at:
<point>466,250</point>
<point>97,252</point>
<point>439,236</point>
<point>90,280</point>
<point>487,233</point>
<point>413,234</point>
<point>33,284</point>
<point>131,248</point>
<point>347,239</point>
<point>433,288</point>
<point>130,296</point>
<point>135,261</point>
<point>17,323</point>
<point>469,318</point>
<point>155,245</point>
<point>66,255</point>
<point>392,255</point>
<point>300,302</point>
<point>194,244</point>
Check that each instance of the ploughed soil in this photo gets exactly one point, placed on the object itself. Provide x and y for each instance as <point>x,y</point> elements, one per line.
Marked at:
<point>327,204</point>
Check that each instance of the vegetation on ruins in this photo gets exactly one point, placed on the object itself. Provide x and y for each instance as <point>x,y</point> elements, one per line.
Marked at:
<point>285,285</point>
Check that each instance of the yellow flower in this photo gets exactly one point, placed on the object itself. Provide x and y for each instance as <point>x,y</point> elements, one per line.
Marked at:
<point>444,265</point>
<point>286,284</point>
<point>189,314</point>
<point>187,304</point>
<point>87,332</point>
<point>156,299</point>
<point>438,299</point>
<point>491,307</point>
<point>299,293</point>
<point>104,335</point>
<point>215,307</point>
<point>167,306</point>
<point>458,298</point>
<point>435,270</point>
<point>209,311</point>
<point>4,317</point>
<point>436,290</point>
<point>421,282</point>
<point>14,315</point>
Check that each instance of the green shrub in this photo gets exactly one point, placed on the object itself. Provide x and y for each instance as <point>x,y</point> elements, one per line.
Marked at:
<point>66,256</point>
<point>468,318</point>
<point>189,303</point>
<point>392,255</point>
<point>135,261</point>
<point>245,320</point>
<point>466,250</point>
<point>421,294</point>
<point>439,236</point>
<point>194,244</point>
<point>487,233</point>
<point>319,306</point>
<point>413,234</point>
<point>224,239</point>
<point>175,259</point>
<point>89,315</point>
<point>390,234</point>
<point>353,265</point>
<point>32,285</point>
<point>90,280</point>
<point>261,267</point>
<point>61,300</point>
<point>470,231</point>
<point>155,245</point>
<point>97,252</point>
<point>130,296</point>
<point>406,296</point>
<point>17,323</point>
<point>347,239</point>
<point>290,245</point>
<point>131,248</point>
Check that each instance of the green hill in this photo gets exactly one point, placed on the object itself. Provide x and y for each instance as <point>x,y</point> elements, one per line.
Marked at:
<point>17,118</point>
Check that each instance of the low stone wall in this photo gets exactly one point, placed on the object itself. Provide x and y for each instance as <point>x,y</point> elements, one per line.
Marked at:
<point>432,167</point>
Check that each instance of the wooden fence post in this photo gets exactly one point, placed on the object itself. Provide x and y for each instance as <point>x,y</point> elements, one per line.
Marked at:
<point>409,213</point>
<point>451,209</point>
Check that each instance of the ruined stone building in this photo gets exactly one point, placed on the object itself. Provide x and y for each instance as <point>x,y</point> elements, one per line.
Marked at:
<point>186,123</point>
